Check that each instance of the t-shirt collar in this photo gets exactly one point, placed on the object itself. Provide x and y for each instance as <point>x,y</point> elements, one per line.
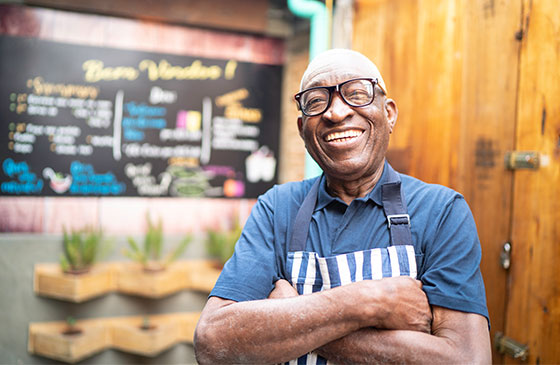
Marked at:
<point>324,198</point>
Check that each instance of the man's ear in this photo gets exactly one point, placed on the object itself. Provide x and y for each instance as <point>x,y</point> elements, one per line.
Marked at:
<point>300,126</point>
<point>391,113</point>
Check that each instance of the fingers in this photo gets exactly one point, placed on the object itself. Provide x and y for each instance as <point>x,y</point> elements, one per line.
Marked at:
<point>402,305</point>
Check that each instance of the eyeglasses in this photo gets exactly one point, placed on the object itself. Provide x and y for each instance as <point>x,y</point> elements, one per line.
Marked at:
<point>356,92</point>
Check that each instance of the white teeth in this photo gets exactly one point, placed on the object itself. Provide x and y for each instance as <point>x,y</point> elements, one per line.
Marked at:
<point>343,135</point>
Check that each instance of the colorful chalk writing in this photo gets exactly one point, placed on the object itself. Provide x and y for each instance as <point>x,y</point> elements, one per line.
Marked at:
<point>85,181</point>
<point>147,185</point>
<point>24,181</point>
<point>93,121</point>
<point>140,117</point>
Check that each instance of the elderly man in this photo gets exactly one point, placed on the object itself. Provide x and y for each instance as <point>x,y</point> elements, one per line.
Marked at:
<point>359,265</point>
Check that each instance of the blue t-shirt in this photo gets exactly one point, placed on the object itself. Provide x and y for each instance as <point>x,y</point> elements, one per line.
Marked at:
<point>444,237</point>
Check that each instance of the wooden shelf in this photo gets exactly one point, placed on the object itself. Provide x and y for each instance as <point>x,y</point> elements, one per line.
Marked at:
<point>201,275</point>
<point>121,333</point>
<point>125,277</point>
<point>49,280</point>
<point>130,337</point>
<point>187,325</point>
<point>46,339</point>
<point>133,279</point>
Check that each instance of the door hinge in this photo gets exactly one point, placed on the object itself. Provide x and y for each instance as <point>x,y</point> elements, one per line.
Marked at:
<point>508,346</point>
<point>522,160</point>
<point>505,256</point>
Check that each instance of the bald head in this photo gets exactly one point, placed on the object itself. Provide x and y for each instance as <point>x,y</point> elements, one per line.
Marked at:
<point>341,59</point>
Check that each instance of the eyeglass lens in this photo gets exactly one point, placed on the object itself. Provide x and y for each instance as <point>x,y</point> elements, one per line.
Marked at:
<point>354,93</point>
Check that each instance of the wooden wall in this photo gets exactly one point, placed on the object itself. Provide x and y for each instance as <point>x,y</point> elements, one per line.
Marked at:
<point>473,80</point>
<point>533,312</point>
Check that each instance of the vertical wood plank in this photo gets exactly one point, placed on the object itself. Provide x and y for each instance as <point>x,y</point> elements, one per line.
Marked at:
<point>437,87</point>
<point>416,45</point>
<point>533,314</point>
<point>386,32</point>
<point>487,127</point>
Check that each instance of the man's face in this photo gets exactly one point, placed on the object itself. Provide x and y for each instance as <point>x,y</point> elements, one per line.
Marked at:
<point>347,142</point>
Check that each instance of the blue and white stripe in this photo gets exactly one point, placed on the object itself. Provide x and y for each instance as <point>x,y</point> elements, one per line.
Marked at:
<point>311,273</point>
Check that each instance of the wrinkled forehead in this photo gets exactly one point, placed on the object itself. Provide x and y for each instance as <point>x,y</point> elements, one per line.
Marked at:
<point>338,65</point>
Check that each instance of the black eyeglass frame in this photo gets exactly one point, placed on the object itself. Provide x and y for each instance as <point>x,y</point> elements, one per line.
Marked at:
<point>337,87</point>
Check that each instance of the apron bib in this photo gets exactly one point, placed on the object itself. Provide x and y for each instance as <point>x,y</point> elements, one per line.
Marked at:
<point>310,273</point>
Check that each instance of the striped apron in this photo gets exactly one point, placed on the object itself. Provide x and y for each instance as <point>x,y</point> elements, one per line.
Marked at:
<point>311,273</point>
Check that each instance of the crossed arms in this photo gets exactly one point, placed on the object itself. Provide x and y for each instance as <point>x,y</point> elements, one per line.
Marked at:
<point>372,321</point>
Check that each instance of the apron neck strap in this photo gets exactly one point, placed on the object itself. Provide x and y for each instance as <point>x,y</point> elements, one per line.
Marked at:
<point>303,219</point>
<point>394,206</point>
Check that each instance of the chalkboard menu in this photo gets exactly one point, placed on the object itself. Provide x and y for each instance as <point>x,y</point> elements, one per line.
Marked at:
<point>91,121</point>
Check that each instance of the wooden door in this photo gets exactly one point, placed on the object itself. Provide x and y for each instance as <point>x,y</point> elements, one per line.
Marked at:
<point>533,311</point>
<point>468,79</point>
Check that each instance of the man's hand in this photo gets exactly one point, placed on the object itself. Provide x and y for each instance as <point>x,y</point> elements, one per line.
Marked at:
<point>399,304</point>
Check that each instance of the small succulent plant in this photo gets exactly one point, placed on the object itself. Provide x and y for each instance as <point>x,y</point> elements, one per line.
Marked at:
<point>220,243</point>
<point>151,255</point>
<point>146,324</point>
<point>71,327</point>
<point>82,248</point>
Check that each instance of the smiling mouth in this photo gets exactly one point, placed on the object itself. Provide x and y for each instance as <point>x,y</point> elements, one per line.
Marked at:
<point>343,136</point>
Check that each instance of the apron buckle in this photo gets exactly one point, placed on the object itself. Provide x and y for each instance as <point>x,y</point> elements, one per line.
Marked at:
<point>398,218</point>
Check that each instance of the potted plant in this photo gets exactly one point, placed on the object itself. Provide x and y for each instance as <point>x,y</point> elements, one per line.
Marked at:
<point>151,254</point>
<point>152,273</point>
<point>82,248</point>
<point>71,327</point>
<point>220,243</point>
<point>75,277</point>
<point>146,324</point>
<point>67,340</point>
<point>146,335</point>
<point>143,335</point>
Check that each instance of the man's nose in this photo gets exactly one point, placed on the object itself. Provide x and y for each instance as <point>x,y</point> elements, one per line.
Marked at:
<point>338,110</point>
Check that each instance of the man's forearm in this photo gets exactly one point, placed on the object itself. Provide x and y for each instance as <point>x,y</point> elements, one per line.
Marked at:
<point>272,330</point>
<point>277,330</point>
<point>370,346</point>
<point>458,338</point>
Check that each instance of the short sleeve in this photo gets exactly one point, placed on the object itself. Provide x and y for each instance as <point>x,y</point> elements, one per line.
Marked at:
<point>451,276</point>
<point>250,272</point>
